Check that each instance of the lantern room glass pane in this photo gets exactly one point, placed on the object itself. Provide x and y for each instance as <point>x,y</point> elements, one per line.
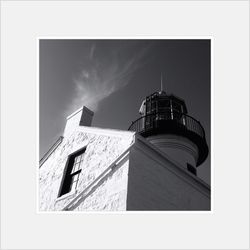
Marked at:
<point>176,107</point>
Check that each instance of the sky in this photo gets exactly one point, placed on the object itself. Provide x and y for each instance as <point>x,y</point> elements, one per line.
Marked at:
<point>112,77</point>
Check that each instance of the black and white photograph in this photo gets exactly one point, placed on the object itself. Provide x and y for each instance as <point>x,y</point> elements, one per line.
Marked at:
<point>124,125</point>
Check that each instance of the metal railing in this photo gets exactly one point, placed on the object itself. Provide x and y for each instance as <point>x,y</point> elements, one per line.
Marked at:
<point>163,120</point>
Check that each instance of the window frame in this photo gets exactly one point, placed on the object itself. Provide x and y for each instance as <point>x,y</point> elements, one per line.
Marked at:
<point>69,175</point>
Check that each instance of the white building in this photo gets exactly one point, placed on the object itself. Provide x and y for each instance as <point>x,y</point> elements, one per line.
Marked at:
<point>99,169</point>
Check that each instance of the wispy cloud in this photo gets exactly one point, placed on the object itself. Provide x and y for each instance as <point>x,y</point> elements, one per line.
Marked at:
<point>102,76</point>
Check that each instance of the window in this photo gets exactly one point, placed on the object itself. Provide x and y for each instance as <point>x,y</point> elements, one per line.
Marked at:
<point>148,106</point>
<point>176,106</point>
<point>72,172</point>
<point>177,112</point>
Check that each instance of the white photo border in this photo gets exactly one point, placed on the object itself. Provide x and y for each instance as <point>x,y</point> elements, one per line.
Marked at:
<point>211,120</point>
<point>23,23</point>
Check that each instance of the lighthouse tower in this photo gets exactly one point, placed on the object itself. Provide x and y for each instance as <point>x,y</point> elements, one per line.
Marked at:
<point>164,121</point>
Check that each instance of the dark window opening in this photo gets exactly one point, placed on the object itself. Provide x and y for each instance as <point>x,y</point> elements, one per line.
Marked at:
<point>72,172</point>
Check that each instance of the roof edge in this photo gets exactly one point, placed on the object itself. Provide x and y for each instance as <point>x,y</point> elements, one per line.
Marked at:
<point>106,131</point>
<point>50,151</point>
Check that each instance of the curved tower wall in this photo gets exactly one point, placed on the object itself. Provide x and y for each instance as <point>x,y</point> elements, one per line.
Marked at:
<point>179,148</point>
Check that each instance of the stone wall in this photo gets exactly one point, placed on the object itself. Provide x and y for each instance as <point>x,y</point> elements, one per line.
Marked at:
<point>111,195</point>
<point>103,147</point>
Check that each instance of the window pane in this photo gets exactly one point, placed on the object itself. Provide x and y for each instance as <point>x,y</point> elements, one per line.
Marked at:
<point>77,159</point>
<point>75,177</point>
<point>80,165</point>
<point>73,186</point>
<point>74,181</point>
<point>148,107</point>
<point>176,106</point>
<point>75,168</point>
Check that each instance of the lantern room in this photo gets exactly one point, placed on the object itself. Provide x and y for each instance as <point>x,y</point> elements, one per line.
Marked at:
<point>164,121</point>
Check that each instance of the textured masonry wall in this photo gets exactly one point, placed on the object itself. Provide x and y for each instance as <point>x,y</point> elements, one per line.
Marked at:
<point>111,195</point>
<point>101,151</point>
<point>152,186</point>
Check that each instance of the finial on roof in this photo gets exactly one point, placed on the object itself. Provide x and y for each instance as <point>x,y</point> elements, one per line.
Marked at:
<point>162,91</point>
<point>161,83</point>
